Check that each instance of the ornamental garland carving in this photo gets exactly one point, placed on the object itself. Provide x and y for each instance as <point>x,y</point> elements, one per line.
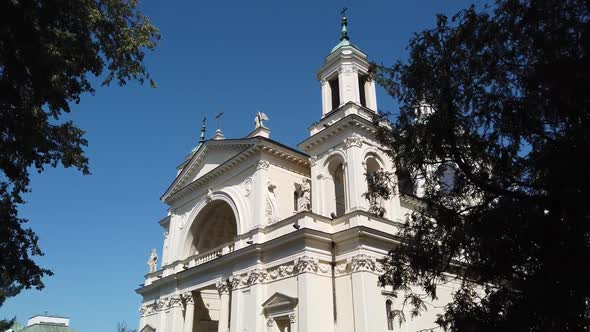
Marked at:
<point>313,160</point>
<point>256,276</point>
<point>300,265</point>
<point>354,141</point>
<point>262,164</point>
<point>223,287</point>
<point>363,262</point>
<point>306,264</point>
<point>174,301</point>
<point>188,298</point>
<point>358,263</point>
<point>303,264</point>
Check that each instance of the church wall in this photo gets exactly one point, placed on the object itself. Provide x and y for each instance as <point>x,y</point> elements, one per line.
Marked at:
<point>285,181</point>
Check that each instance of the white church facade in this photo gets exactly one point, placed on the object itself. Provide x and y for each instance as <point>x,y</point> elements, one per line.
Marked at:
<point>262,237</point>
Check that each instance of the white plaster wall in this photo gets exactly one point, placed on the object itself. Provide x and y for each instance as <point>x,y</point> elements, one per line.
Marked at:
<point>285,181</point>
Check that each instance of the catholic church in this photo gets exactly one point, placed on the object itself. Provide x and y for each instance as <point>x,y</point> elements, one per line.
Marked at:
<point>263,237</point>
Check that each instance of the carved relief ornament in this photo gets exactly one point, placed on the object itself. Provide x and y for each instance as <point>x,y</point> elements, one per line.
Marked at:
<point>262,164</point>
<point>354,141</point>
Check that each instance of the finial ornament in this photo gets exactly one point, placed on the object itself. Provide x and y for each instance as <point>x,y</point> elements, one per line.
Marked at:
<point>218,134</point>
<point>218,118</point>
<point>258,120</point>
<point>344,34</point>
<point>202,139</point>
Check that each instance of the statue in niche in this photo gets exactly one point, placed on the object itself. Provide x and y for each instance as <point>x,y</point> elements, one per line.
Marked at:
<point>153,261</point>
<point>304,201</point>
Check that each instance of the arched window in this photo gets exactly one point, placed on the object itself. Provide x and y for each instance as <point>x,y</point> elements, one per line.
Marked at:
<point>339,194</point>
<point>334,187</point>
<point>389,313</point>
<point>372,168</point>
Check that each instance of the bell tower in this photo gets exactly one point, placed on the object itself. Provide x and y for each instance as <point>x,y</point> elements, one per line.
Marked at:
<point>344,76</point>
<point>342,145</point>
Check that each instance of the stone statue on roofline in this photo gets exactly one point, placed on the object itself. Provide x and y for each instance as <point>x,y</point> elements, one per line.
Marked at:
<point>153,261</point>
<point>258,120</point>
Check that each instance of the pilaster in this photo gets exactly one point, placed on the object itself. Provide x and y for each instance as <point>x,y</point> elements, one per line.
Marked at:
<point>224,289</point>
<point>355,172</point>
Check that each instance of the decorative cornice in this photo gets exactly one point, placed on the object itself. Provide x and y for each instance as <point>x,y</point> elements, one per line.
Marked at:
<point>352,122</point>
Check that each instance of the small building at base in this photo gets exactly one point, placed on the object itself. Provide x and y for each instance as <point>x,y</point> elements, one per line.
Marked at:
<point>44,323</point>
<point>267,238</point>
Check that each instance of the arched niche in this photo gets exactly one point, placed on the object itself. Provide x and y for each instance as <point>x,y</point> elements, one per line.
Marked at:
<point>215,224</point>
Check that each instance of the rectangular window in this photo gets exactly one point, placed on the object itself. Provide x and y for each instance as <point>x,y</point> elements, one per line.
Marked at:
<point>362,97</point>
<point>335,87</point>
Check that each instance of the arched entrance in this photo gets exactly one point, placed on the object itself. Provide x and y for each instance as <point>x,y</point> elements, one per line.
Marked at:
<point>214,226</point>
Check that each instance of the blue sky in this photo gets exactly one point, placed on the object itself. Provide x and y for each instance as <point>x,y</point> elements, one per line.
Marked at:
<point>232,56</point>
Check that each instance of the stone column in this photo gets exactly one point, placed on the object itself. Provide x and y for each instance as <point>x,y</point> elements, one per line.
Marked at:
<point>223,289</point>
<point>189,311</point>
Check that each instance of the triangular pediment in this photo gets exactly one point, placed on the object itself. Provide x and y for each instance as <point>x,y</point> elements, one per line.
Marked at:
<point>278,300</point>
<point>209,156</point>
<point>148,328</point>
<point>217,156</point>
